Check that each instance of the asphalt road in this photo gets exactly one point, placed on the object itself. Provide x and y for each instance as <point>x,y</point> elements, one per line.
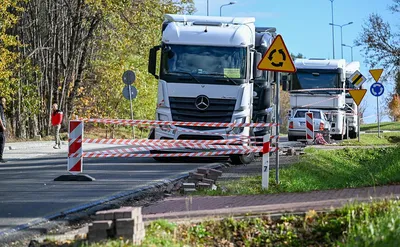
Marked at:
<point>28,192</point>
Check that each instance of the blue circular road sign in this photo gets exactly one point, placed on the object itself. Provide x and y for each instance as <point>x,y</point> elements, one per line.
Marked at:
<point>377,89</point>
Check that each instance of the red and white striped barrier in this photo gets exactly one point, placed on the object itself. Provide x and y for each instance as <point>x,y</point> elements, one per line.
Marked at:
<point>177,123</point>
<point>75,131</point>
<point>309,127</point>
<point>266,149</point>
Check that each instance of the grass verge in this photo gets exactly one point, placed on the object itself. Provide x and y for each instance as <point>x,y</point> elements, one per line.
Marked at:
<point>392,138</point>
<point>323,170</point>
<point>383,126</point>
<point>366,224</point>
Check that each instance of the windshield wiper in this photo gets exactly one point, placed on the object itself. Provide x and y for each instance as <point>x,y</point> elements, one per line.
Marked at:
<point>184,73</point>
<point>227,77</point>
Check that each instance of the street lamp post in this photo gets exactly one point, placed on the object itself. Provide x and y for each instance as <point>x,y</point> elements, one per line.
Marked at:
<point>351,47</point>
<point>333,32</point>
<point>208,9</point>
<point>220,9</point>
<point>341,33</point>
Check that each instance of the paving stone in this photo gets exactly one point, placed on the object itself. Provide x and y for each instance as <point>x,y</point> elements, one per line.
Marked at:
<point>207,180</point>
<point>212,176</point>
<point>188,190</point>
<point>196,175</point>
<point>202,185</point>
<point>215,172</point>
<point>189,185</point>
<point>202,170</point>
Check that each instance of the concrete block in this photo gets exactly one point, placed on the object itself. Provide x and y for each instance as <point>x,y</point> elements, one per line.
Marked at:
<point>189,185</point>
<point>195,175</point>
<point>97,236</point>
<point>128,212</point>
<point>191,180</point>
<point>133,212</point>
<point>188,190</point>
<point>124,223</point>
<point>202,185</point>
<point>212,177</point>
<point>215,172</point>
<point>105,215</point>
<point>101,225</point>
<point>202,170</point>
<point>37,138</point>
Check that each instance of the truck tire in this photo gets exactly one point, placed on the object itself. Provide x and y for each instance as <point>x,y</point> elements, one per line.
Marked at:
<point>353,134</point>
<point>242,159</point>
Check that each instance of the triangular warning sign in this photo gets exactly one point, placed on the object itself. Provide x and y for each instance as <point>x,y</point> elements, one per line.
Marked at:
<point>277,58</point>
<point>376,73</point>
<point>358,95</point>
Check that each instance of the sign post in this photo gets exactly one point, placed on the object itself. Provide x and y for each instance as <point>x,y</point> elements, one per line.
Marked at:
<point>277,59</point>
<point>358,95</point>
<point>130,92</point>
<point>377,89</point>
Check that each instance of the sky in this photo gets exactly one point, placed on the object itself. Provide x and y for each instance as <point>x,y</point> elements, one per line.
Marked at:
<point>304,26</point>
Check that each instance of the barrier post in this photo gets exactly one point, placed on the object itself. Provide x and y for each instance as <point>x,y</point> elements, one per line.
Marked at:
<point>75,159</point>
<point>309,127</point>
<point>265,161</point>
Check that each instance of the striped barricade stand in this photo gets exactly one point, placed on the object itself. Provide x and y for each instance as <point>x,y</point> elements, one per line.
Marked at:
<point>233,144</point>
<point>75,158</point>
<point>309,127</point>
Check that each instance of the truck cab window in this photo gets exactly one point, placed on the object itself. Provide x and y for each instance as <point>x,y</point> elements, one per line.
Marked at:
<point>305,79</point>
<point>205,60</point>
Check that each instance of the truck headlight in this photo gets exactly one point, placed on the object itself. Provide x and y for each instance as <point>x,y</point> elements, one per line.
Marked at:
<point>162,117</point>
<point>238,130</point>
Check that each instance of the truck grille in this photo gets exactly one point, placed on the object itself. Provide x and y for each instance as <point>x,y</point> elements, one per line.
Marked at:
<point>184,109</point>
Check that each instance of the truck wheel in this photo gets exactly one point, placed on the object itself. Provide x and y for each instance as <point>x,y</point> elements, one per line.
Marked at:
<point>242,159</point>
<point>353,134</point>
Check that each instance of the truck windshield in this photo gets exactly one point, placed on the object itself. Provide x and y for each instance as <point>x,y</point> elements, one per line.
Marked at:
<point>205,60</point>
<point>310,79</point>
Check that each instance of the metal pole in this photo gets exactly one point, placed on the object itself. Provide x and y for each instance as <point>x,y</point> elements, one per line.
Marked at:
<point>277,120</point>
<point>130,102</point>
<point>347,126</point>
<point>341,39</point>
<point>333,32</point>
<point>377,114</point>
<point>220,10</point>
<point>358,122</point>
<point>352,53</point>
<point>207,9</point>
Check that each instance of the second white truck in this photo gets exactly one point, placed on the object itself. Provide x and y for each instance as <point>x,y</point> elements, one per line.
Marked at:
<point>322,84</point>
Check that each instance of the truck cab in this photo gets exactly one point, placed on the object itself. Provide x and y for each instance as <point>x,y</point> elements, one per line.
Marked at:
<point>207,73</point>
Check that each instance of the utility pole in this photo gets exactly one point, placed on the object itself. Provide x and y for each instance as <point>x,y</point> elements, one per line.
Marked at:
<point>333,32</point>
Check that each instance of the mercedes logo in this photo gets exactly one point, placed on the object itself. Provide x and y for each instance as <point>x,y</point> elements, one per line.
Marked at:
<point>202,102</point>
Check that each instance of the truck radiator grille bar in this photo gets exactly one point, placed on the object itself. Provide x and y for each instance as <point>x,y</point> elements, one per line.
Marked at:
<point>218,111</point>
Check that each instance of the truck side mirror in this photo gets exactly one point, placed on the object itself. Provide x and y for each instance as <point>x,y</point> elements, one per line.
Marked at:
<point>257,58</point>
<point>153,61</point>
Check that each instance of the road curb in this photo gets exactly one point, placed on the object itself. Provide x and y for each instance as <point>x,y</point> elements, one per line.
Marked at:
<point>134,193</point>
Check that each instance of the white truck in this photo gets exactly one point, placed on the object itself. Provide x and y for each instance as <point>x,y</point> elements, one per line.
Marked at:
<point>207,72</point>
<point>322,84</point>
